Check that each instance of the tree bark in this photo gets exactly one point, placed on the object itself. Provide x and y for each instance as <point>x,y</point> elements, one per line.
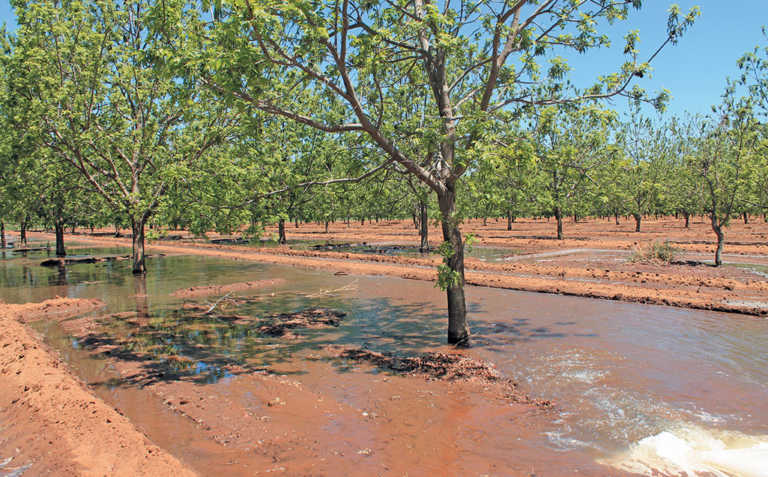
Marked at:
<point>423,227</point>
<point>687,217</point>
<point>616,217</point>
<point>720,242</point>
<point>746,218</point>
<point>559,218</point>
<point>510,219</point>
<point>326,226</point>
<point>638,219</point>
<point>458,330</point>
<point>281,232</point>
<point>137,252</point>
<point>3,244</point>
<point>60,251</point>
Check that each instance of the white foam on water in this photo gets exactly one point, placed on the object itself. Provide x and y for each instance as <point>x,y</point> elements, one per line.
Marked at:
<point>689,450</point>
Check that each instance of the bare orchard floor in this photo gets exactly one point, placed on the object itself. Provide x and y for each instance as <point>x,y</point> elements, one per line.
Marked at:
<point>531,236</point>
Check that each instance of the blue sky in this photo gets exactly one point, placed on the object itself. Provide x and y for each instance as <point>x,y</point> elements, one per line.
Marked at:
<point>694,70</point>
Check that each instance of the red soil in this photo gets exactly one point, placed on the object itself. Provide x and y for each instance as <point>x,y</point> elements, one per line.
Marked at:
<point>51,422</point>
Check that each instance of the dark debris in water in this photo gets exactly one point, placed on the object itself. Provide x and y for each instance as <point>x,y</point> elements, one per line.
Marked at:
<point>311,318</point>
<point>439,366</point>
<point>434,365</point>
<point>62,261</point>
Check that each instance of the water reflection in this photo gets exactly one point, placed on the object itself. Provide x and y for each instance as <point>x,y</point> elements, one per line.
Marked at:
<point>175,342</point>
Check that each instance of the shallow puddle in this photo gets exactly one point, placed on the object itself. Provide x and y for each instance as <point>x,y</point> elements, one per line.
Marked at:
<point>635,387</point>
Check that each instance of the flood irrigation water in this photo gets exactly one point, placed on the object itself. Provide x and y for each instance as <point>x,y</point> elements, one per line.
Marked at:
<point>636,388</point>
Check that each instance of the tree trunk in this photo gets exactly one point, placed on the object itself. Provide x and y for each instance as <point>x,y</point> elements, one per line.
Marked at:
<point>23,232</point>
<point>616,217</point>
<point>362,221</point>
<point>720,241</point>
<point>326,226</point>
<point>485,221</point>
<point>139,259</point>
<point>458,330</point>
<point>638,219</point>
<point>60,251</point>
<point>559,218</point>
<point>510,219</point>
<point>423,227</point>
<point>746,218</point>
<point>2,236</point>
<point>117,230</point>
<point>687,218</point>
<point>281,232</point>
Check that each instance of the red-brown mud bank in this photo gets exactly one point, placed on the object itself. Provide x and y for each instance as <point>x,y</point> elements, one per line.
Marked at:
<point>357,422</point>
<point>50,423</point>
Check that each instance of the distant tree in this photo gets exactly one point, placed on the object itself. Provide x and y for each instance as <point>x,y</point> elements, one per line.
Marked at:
<point>682,184</point>
<point>571,144</point>
<point>647,148</point>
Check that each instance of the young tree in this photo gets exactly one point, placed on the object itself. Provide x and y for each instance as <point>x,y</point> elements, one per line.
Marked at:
<point>753,79</point>
<point>722,162</point>
<point>570,144</point>
<point>96,80</point>
<point>466,64</point>
<point>682,185</point>
<point>647,150</point>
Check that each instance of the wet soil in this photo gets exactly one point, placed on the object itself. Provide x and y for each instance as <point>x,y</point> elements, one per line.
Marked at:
<point>266,421</point>
<point>201,291</point>
<point>595,272</point>
<point>51,423</point>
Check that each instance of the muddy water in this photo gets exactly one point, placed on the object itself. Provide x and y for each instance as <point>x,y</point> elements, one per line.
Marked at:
<point>636,387</point>
<point>489,254</point>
